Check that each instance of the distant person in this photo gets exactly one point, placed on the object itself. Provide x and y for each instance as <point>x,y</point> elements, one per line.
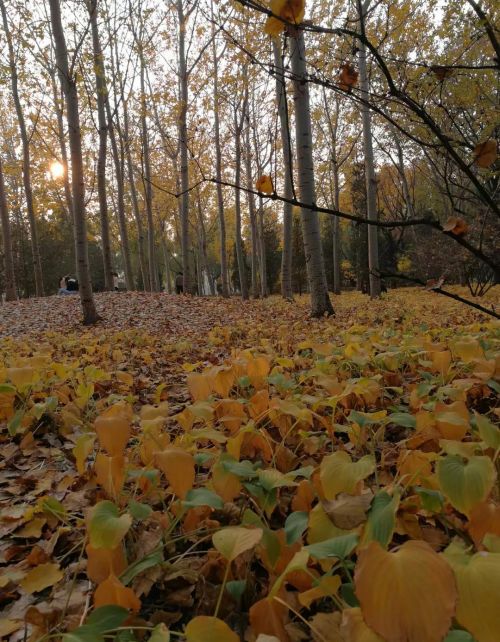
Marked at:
<point>68,285</point>
<point>115,281</point>
<point>179,283</point>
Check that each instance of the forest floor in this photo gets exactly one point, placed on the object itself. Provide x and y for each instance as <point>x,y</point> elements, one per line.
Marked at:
<point>129,447</point>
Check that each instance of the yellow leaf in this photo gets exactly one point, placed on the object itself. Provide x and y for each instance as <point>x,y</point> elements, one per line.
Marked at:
<point>204,628</point>
<point>407,595</point>
<point>339,474</point>
<point>41,577</point>
<point>327,586</point>
<point>235,540</point>
<point>178,467</point>
<point>110,473</point>
<point>125,377</point>
<point>478,582</point>
<point>9,626</point>
<point>199,386</point>
<point>22,377</point>
<point>33,529</point>
<point>354,629</point>
<point>153,412</point>
<point>83,447</point>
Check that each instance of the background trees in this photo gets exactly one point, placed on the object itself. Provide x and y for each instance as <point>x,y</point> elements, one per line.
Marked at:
<point>184,105</point>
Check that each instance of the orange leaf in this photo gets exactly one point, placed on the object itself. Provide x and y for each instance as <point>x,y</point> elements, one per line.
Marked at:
<point>268,616</point>
<point>348,77</point>
<point>264,184</point>
<point>456,226</point>
<point>110,473</point>
<point>415,594</point>
<point>304,496</point>
<point>178,467</point>
<point>484,519</point>
<point>112,591</point>
<point>113,433</point>
<point>102,562</point>
<point>485,154</point>
<point>355,629</point>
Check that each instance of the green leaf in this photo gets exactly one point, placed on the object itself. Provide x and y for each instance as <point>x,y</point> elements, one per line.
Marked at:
<point>107,528</point>
<point>339,547</point>
<point>403,419</point>
<point>236,588</point>
<point>488,432</point>
<point>54,507</point>
<point>153,559</point>
<point>139,511</point>
<point>459,636</point>
<point>244,469</point>
<point>381,518</point>
<point>295,525</point>
<point>102,620</point>
<point>7,388</point>
<point>432,500</point>
<point>202,497</point>
<point>15,422</point>
<point>348,595</point>
<point>465,484</point>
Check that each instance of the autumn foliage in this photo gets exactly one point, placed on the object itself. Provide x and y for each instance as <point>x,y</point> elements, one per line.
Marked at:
<point>333,480</point>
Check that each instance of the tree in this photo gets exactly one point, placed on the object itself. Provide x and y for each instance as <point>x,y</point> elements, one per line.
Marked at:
<point>69,87</point>
<point>10,278</point>
<point>320,300</point>
<point>28,191</point>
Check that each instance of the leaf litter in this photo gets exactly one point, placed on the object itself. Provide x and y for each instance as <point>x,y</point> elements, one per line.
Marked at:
<point>217,469</point>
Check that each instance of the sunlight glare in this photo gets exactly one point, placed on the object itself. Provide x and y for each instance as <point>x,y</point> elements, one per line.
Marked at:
<point>56,169</point>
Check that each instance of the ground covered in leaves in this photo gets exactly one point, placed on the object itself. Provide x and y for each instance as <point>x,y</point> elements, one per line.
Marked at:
<point>215,470</point>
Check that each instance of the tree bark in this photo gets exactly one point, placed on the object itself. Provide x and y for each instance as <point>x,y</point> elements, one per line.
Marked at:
<point>320,301</point>
<point>28,191</point>
<point>10,277</point>
<point>203,246</point>
<point>68,82</point>
<point>250,196</point>
<point>286,257</point>
<point>371,180</point>
<point>183,141</point>
<point>148,188</point>
<point>238,125</point>
<point>218,164</point>
<point>59,109</point>
<point>101,91</point>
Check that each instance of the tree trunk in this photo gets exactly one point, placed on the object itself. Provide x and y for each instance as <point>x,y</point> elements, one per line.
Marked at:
<point>148,188</point>
<point>218,164</point>
<point>286,257</point>
<point>203,246</point>
<point>320,301</point>
<point>101,90</point>
<point>68,83</point>
<point>59,109</point>
<point>28,192</point>
<point>10,277</point>
<point>237,196</point>
<point>133,195</point>
<point>183,140</point>
<point>336,231</point>
<point>371,181</point>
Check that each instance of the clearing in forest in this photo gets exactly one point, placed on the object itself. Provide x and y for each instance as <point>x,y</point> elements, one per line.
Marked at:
<point>211,469</point>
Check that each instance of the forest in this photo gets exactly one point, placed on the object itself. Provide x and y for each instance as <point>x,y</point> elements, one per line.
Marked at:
<point>249,337</point>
